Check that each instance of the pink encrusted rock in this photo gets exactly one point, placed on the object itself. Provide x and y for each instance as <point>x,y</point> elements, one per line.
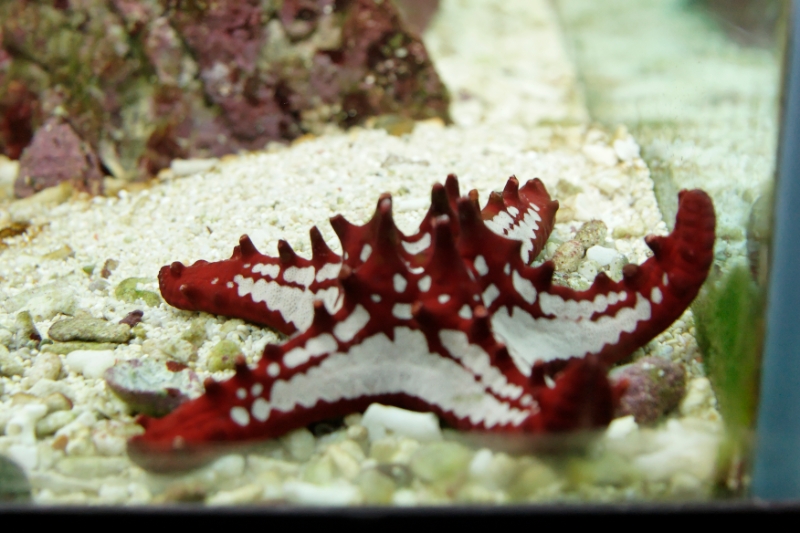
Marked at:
<point>57,154</point>
<point>655,387</point>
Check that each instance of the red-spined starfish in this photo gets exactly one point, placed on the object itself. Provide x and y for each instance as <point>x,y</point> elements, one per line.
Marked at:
<point>450,320</point>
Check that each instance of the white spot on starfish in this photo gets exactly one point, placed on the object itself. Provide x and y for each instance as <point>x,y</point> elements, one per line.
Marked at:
<point>402,311</point>
<point>273,369</point>
<point>260,409</point>
<point>443,298</point>
<point>424,283</point>
<point>465,312</point>
<point>241,393</point>
<point>490,295</point>
<point>328,271</point>
<point>366,251</point>
<point>376,298</point>
<point>481,266</point>
<point>256,390</point>
<point>399,282</point>
<point>655,295</point>
<point>240,415</point>
<point>524,288</point>
<point>315,346</point>
<point>301,276</point>
<point>266,270</point>
<point>416,247</point>
<point>350,326</point>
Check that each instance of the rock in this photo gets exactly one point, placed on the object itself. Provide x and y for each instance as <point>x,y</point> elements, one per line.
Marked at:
<point>223,355</point>
<point>25,333</point>
<point>441,462</point>
<point>195,84</point>
<point>90,330</point>
<point>90,363</point>
<point>45,366</point>
<point>128,291</point>
<point>14,485</point>
<point>57,154</point>
<point>10,363</point>
<point>149,386</point>
<point>568,256</point>
<point>655,387</point>
<point>423,427</point>
<point>592,233</point>
<point>45,301</point>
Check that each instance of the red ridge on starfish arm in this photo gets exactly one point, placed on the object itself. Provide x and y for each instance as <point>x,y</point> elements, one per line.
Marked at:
<point>458,325</point>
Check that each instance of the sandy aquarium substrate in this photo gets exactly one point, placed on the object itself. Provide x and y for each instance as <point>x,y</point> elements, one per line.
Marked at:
<point>78,250</point>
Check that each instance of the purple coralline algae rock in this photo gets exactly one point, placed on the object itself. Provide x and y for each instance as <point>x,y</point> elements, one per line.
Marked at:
<point>142,82</point>
<point>655,387</point>
<point>152,387</point>
<point>57,154</point>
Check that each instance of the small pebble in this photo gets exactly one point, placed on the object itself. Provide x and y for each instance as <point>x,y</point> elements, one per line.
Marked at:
<point>592,233</point>
<point>10,363</point>
<point>299,443</point>
<point>568,256</point>
<point>655,387</point>
<point>128,291</point>
<point>149,386</point>
<point>423,427</point>
<point>90,363</point>
<point>377,487</point>
<point>310,494</point>
<point>25,333</point>
<point>90,330</point>
<point>46,366</point>
<point>223,355</point>
<point>602,256</point>
<point>53,422</point>
<point>440,461</point>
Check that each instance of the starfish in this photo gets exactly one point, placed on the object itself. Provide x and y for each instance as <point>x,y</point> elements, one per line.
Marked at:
<point>452,319</point>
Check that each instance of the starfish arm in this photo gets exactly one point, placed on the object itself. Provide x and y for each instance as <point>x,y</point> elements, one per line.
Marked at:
<point>540,321</point>
<point>278,292</point>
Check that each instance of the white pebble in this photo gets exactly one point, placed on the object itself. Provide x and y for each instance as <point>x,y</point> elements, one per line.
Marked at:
<point>90,363</point>
<point>621,427</point>
<point>187,167</point>
<point>307,493</point>
<point>423,427</point>
<point>601,255</point>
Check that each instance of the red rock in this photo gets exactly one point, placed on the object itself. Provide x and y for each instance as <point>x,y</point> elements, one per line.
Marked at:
<point>57,154</point>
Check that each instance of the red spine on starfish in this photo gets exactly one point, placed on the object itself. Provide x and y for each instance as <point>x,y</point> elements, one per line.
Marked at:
<point>451,320</point>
